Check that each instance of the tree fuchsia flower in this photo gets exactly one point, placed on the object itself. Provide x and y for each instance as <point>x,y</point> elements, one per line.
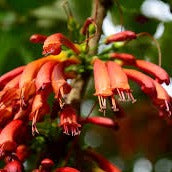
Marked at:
<point>121,36</point>
<point>59,84</point>
<point>68,121</point>
<point>119,82</point>
<point>10,136</point>
<point>4,79</point>
<point>14,166</point>
<point>162,100</point>
<point>22,152</point>
<point>143,80</point>
<point>52,44</point>
<point>102,83</point>
<point>103,163</point>
<point>24,92</point>
<point>40,107</point>
<point>100,121</point>
<point>66,169</point>
<point>159,73</point>
<point>126,58</point>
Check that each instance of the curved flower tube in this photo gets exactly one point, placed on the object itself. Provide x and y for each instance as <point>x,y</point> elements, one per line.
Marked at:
<point>38,38</point>
<point>4,79</point>
<point>101,121</point>
<point>102,161</point>
<point>126,58</point>
<point>40,107</point>
<point>121,36</point>
<point>160,74</point>
<point>43,78</point>
<point>59,84</point>
<point>143,80</point>
<point>52,45</point>
<point>8,136</point>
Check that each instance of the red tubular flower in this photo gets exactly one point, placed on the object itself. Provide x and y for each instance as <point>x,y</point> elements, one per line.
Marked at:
<point>66,169</point>
<point>8,136</point>
<point>13,83</point>
<point>101,121</point>
<point>102,83</point>
<point>121,36</point>
<point>68,121</point>
<point>4,79</point>
<point>47,163</point>
<point>119,83</point>
<point>160,74</point>
<point>59,84</point>
<point>6,114</point>
<point>102,162</point>
<point>8,97</point>
<point>22,152</point>
<point>162,100</point>
<point>40,107</point>
<point>27,84</point>
<point>143,80</point>
<point>10,93</point>
<point>126,58</point>
<point>14,166</point>
<point>38,38</point>
<point>43,78</point>
<point>53,43</point>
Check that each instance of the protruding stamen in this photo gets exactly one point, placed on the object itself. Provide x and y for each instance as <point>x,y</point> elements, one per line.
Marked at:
<point>102,104</point>
<point>167,104</point>
<point>130,97</point>
<point>114,107</point>
<point>119,93</point>
<point>34,128</point>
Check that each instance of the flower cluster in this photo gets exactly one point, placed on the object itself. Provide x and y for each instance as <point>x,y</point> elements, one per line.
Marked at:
<point>24,92</point>
<point>114,78</point>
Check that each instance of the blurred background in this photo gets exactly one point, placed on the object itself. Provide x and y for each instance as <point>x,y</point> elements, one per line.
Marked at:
<point>144,141</point>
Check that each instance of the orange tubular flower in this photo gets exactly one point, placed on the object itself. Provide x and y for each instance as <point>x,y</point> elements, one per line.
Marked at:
<point>102,162</point>
<point>43,78</point>
<point>53,43</point>
<point>102,83</point>
<point>4,79</point>
<point>6,114</point>
<point>162,99</point>
<point>68,121</point>
<point>119,83</point>
<point>22,152</point>
<point>10,93</point>
<point>143,80</point>
<point>38,38</point>
<point>40,107</point>
<point>59,84</point>
<point>14,166</point>
<point>126,58</point>
<point>26,84</point>
<point>121,36</point>
<point>66,169</point>
<point>160,74</point>
<point>8,136</point>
